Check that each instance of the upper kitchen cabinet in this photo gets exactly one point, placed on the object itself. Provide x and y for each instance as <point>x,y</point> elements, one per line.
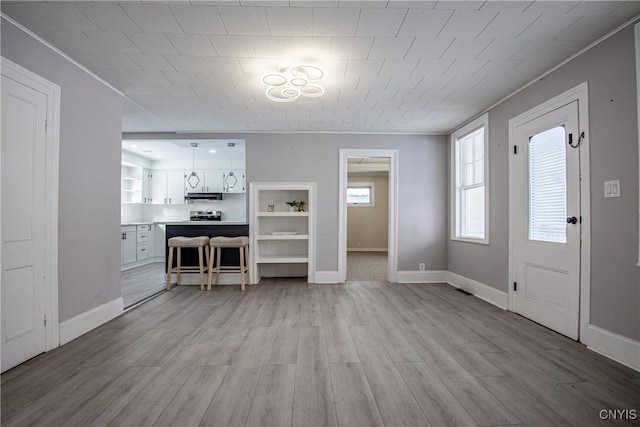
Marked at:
<point>167,187</point>
<point>147,196</point>
<point>233,181</point>
<point>205,181</point>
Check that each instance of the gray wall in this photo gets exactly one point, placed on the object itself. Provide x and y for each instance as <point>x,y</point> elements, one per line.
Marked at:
<point>367,227</point>
<point>89,198</point>
<point>315,157</point>
<point>609,69</point>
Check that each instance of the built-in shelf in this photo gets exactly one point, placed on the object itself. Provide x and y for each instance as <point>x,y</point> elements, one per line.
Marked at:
<point>274,254</point>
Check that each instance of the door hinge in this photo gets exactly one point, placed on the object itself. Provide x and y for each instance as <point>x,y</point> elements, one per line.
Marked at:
<point>45,320</point>
<point>515,286</point>
<point>515,149</point>
<point>46,125</point>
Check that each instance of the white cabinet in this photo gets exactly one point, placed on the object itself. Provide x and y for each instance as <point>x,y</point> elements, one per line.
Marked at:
<point>159,179</point>
<point>175,187</point>
<point>167,187</point>
<point>282,242</point>
<point>233,181</point>
<point>128,244</point>
<point>208,181</point>
<point>213,181</point>
<point>138,244</point>
<point>144,242</point>
<point>147,196</point>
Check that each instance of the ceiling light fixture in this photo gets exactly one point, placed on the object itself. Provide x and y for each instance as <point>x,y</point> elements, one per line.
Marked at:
<point>291,82</point>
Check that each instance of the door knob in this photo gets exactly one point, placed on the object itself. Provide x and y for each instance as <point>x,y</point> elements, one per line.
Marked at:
<point>572,220</point>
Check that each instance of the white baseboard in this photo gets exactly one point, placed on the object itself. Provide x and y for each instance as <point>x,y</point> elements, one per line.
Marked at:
<point>367,250</point>
<point>431,276</point>
<point>484,292</point>
<point>91,319</point>
<point>325,277</point>
<point>614,346</point>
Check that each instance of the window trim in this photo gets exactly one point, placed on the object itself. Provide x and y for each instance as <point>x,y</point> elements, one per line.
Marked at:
<point>482,121</point>
<point>372,190</point>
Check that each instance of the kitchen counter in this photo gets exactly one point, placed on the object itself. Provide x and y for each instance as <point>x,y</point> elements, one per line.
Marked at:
<point>124,224</point>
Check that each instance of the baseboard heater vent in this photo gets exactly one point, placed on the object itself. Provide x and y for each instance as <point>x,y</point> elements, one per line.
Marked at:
<point>464,292</point>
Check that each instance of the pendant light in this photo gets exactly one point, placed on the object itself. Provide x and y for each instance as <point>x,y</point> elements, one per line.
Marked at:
<point>230,180</point>
<point>193,180</point>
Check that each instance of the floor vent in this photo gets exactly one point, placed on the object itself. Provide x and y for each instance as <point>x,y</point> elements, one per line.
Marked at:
<point>464,292</point>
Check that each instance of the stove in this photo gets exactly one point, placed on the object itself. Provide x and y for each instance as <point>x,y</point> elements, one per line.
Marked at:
<point>205,216</point>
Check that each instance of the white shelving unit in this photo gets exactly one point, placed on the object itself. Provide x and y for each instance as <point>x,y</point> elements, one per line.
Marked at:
<point>131,184</point>
<point>282,242</point>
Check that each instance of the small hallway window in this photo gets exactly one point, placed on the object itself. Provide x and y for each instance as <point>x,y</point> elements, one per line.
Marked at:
<point>360,194</point>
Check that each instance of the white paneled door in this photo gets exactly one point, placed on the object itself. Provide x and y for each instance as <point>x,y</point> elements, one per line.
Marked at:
<point>548,222</point>
<point>23,222</point>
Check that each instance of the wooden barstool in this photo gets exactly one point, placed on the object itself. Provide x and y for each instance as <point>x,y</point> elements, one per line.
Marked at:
<point>187,242</point>
<point>242,244</point>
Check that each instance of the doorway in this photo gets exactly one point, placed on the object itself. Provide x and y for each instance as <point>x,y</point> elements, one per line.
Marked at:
<point>375,159</point>
<point>549,214</point>
<point>367,218</point>
<point>28,214</point>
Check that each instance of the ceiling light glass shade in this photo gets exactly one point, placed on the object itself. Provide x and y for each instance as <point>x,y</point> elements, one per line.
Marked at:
<point>290,83</point>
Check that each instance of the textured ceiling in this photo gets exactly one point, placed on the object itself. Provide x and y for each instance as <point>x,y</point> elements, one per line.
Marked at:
<point>390,66</point>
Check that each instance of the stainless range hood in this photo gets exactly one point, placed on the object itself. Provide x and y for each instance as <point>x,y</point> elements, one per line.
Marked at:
<point>203,196</point>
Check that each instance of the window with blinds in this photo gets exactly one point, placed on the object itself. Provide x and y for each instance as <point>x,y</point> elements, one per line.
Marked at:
<point>469,163</point>
<point>548,186</point>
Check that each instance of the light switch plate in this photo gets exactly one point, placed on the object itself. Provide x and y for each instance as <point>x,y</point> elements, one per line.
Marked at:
<point>612,188</point>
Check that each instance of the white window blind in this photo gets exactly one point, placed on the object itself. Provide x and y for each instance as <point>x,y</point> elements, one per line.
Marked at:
<point>548,186</point>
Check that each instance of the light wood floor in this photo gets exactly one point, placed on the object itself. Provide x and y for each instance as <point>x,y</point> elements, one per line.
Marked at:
<point>142,282</point>
<point>286,353</point>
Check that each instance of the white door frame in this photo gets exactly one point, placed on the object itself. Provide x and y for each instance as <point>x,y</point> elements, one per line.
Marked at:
<point>579,93</point>
<point>345,154</point>
<point>52,139</point>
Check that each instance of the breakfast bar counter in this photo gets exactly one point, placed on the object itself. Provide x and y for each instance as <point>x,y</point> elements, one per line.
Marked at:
<point>208,229</point>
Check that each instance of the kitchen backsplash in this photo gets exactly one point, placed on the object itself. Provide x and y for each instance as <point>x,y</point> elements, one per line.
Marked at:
<point>233,208</point>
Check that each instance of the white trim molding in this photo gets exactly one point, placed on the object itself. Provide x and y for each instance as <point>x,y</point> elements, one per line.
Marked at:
<point>89,320</point>
<point>393,156</point>
<point>327,277</point>
<point>579,93</point>
<point>432,276</point>
<point>53,92</point>
<point>484,292</point>
<point>614,346</point>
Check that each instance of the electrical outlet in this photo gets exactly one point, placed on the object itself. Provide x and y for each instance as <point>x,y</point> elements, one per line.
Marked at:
<point>421,266</point>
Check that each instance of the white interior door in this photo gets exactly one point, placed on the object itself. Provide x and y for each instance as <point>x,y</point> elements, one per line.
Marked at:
<point>23,222</point>
<point>547,224</point>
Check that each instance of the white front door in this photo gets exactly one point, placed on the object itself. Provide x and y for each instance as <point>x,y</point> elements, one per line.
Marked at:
<point>23,222</point>
<point>546,285</point>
